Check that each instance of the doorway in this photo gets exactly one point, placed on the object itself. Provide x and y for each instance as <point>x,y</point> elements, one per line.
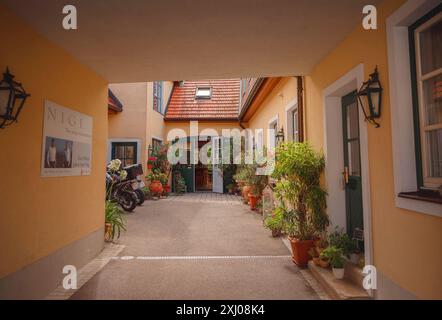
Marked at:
<point>352,165</point>
<point>339,154</point>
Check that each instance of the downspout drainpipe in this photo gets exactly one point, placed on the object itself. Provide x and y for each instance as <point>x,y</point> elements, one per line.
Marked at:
<point>300,81</point>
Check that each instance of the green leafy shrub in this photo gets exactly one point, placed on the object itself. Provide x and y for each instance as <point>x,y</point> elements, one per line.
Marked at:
<point>114,216</point>
<point>275,221</point>
<point>339,239</point>
<point>303,201</point>
<point>335,256</point>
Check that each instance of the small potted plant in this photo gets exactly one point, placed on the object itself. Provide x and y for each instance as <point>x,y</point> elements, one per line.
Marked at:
<point>155,186</point>
<point>253,198</point>
<point>315,256</point>
<point>339,239</point>
<point>337,260</point>
<point>274,223</point>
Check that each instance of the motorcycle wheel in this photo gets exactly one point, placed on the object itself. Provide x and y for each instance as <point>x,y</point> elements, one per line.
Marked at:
<point>140,196</point>
<point>128,201</point>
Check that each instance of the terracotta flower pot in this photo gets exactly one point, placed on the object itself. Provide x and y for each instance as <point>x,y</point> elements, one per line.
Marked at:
<point>156,187</point>
<point>107,232</point>
<point>253,201</point>
<point>300,249</point>
<point>324,263</point>
<point>149,166</point>
<point>317,261</point>
<point>245,193</point>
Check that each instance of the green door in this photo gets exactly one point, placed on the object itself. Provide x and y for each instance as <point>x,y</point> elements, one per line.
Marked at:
<point>352,163</point>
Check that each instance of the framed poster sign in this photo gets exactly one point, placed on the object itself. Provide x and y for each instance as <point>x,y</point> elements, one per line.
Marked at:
<point>67,142</point>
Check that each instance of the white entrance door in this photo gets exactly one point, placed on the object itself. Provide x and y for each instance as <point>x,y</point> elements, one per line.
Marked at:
<point>217,173</point>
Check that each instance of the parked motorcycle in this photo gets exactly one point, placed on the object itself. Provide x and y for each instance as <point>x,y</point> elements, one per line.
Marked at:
<point>134,175</point>
<point>121,192</point>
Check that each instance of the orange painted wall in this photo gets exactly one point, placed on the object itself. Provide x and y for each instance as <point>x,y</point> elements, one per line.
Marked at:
<point>40,215</point>
<point>407,245</point>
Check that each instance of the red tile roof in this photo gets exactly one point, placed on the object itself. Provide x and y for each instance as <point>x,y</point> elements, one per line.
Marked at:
<point>223,104</point>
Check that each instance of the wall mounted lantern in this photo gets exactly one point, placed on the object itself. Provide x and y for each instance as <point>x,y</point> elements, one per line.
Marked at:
<point>12,99</point>
<point>279,136</point>
<point>372,90</point>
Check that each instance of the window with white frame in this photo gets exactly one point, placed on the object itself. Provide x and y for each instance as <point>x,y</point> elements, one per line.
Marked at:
<point>292,122</point>
<point>295,129</point>
<point>203,93</point>
<point>158,96</point>
<point>426,47</point>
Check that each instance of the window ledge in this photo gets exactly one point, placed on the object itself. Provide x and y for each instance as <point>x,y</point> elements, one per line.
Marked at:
<point>428,196</point>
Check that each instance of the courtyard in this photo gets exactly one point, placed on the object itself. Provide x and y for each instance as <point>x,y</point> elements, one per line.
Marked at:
<point>198,246</point>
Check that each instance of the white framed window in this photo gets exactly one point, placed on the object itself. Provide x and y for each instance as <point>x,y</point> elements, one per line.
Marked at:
<point>406,151</point>
<point>203,93</point>
<point>158,96</point>
<point>427,36</point>
<point>292,121</point>
<point>273,125</point>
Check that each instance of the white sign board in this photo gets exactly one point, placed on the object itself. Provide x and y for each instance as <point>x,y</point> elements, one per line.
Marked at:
<point>67,142</point>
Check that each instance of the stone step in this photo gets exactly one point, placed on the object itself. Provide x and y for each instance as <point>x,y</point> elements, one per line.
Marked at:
<point>354,273</point>
<point>344,289</point>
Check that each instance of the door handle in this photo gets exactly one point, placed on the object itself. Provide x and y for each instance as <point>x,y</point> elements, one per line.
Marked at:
<point>345,175</point>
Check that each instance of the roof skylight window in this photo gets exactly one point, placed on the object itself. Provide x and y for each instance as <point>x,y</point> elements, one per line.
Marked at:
<point>203,93</point>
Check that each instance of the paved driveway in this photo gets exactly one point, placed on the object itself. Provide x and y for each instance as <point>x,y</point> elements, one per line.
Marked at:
<point>186,248</point>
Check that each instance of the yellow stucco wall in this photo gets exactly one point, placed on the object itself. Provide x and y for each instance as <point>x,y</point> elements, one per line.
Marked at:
<point>41,215</point>
<point>138,120</point>
<point>407,245</point>
<point>131,122</point>
<point>274,105</point>
<point>155,122</point>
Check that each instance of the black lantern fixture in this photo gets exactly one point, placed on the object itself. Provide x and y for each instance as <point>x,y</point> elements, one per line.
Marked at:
<point>279,136</point>
<point>12,99</point>
<point>372,90</point>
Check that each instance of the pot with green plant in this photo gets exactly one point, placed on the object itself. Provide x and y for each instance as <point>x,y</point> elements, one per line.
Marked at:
<point>230,187</point>
<point>275,222</point>
<point>337,260</point>
<point>350,249</point>
<point>257,182</point>
<point>114,221</point>
<point>155,186</point>
<point>302,199</point>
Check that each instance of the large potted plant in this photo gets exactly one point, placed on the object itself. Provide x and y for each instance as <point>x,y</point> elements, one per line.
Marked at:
<point>241,177</point>
<point>302,199</point>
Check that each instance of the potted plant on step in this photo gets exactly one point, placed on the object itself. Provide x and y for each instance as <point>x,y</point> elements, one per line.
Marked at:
<point>337,260</point>
<point>114,221</point>
<point>302,199</point>
<point>341,240</point>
